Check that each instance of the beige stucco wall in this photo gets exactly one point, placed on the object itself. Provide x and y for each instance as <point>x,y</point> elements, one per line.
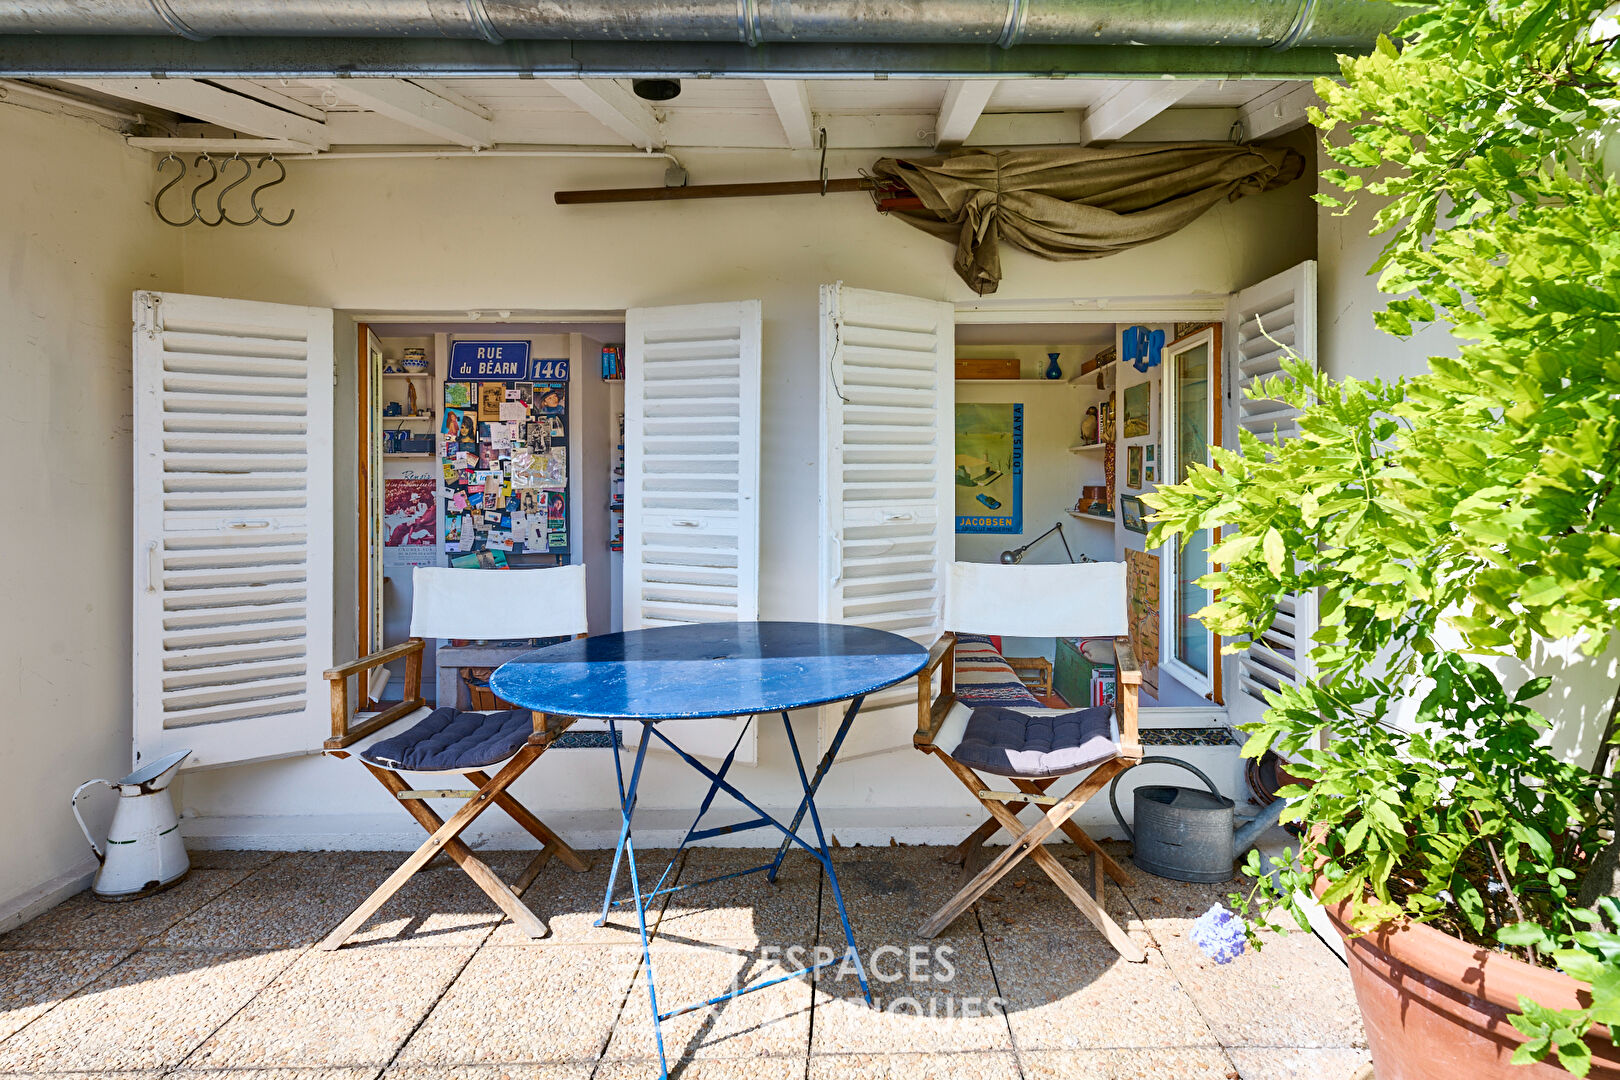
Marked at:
<point>76,238</point>
<point>457,235</point>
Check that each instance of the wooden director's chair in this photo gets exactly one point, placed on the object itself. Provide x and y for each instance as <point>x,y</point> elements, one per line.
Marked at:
<point>409,737</point>
<point>1075,600</point>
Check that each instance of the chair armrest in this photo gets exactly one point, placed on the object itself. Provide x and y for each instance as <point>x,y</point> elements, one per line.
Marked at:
<point>338,677</point>
<point>1127,684</point>
<point>931,710</point>
<point>366,663</point>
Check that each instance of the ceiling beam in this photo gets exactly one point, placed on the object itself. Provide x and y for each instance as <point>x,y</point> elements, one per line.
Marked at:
<point>965,100</point>
<point>1130,106</point>
<point>215,105</point>
<point>271,97</point>
<point>1282,108</point>
<point>414,106</point>
<point>620,111</point>
<point>791,97</point>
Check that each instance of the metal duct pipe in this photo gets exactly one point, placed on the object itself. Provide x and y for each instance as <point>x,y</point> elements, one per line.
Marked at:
<point>1277,23</point>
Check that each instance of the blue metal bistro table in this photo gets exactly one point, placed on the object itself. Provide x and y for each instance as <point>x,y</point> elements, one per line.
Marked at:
<point>713,670</point>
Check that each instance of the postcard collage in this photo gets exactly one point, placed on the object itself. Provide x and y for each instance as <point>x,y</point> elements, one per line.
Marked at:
<point>504,450</point>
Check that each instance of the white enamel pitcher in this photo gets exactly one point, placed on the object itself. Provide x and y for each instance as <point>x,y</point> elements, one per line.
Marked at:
<point>144,852</point>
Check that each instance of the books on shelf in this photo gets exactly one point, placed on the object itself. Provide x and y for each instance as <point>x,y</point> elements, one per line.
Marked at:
<point>613,362</point>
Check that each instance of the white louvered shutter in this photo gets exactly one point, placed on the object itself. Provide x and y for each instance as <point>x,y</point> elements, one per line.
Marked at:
<point>1264,322</point>
<point>691,482</point>
<point>887,447</point>
<point>233,527</point>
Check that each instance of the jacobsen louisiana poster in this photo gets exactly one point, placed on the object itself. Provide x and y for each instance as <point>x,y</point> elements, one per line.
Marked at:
<point>989,468</point>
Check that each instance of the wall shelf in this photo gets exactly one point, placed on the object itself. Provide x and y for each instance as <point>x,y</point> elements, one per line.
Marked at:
<point>1092,517</point>
<point>1024,379</point>
<point>398,454</point>
<point>1084,447</point>
<point>407,374</point>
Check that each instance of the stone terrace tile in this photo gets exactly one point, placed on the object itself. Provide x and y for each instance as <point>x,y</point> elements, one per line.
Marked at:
<point>362,1073</point>
<point>772,1022</point>
<point>890,892</point>
<point>1160,1063</point>
<point>570,902</point>
<point>439,907</point>
<point>544,1006</point>
<point>347,1008</point>
<point>149,1011</point>
<point>581,1071</point>
<point>705,1069</point>
<point>1073,993</point>
<point>225,859</point>
<point>914,1067</point>
<point>1272,1063</point>
<point>748,910</point>
<point>1026,902</point>
<point>83,922</point>
<point>31,983</point>
<point>285,904</point>
<point>948,1003</point>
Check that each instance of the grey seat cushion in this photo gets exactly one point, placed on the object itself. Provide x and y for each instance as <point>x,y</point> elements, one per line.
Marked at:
<point>450,741</point>
<point>1010,743</point>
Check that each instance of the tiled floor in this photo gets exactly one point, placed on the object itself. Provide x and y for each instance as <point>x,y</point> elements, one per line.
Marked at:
<point>216,978</point>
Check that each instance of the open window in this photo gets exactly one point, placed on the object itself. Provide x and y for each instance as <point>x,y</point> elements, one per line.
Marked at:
<point>887,445</point>
<point>233,527</point>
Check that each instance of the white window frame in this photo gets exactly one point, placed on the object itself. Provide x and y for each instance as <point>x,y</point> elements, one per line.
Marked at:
<point>1168,560</point>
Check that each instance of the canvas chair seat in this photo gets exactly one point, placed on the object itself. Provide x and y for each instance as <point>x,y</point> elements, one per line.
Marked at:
<point>447,740</point>
<point>1016,743</point>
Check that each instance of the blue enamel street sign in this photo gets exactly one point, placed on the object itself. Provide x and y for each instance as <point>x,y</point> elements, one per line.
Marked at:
<point>489,361</point>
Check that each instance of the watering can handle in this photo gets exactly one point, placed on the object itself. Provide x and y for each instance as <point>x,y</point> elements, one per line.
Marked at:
<point>1113,789</point>
<point>101,856</point>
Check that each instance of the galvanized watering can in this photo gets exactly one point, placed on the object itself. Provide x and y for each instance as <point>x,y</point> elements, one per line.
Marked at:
<point>1187,835</point>
<point>144,852</point>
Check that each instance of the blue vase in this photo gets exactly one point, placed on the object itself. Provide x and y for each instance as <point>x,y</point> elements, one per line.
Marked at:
<point>1052,369</point>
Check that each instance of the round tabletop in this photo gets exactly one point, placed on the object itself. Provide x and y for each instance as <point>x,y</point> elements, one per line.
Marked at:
<point>707,669</point>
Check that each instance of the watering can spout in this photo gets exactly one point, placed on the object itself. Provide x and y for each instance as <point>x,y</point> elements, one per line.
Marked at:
<point>1249,835</point>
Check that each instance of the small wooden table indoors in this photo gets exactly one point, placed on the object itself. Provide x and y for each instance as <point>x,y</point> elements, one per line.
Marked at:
<point>713,670</point>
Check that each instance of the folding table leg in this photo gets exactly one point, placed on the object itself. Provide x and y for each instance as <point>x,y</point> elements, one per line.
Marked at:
<point>627,847</point>
<point>815,784</point>
<point>821,841</point>
<point>703,808</point>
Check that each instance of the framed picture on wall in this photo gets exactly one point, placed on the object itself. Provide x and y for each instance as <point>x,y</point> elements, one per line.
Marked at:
<point>1133,467</point>
<point>1138,411</point>
<point>1131,513</point>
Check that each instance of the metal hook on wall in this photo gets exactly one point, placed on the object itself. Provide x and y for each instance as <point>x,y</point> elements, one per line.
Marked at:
<point>213,174</point>
<point>253,196</point>
<point>821,141</point>
<point>219,202</point>
<point>157,200</point>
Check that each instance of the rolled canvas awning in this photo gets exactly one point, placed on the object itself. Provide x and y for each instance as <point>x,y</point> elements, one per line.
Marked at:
<point>1076,202</point>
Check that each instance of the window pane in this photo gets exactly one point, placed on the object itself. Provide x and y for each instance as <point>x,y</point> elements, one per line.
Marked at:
<point>1192,447</point>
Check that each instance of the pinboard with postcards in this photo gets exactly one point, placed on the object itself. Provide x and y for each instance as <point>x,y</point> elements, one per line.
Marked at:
<point>504,451</point>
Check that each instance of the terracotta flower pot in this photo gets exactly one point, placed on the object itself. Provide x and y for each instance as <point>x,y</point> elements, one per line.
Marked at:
<point>1436,1007</point>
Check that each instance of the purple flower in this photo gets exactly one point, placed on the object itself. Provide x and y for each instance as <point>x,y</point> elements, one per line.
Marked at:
<point>1219,934</point>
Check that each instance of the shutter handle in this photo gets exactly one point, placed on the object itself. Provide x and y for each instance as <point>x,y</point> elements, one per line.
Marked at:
<point>152,568</point>
<point>247,524</point>
<point>837,559</point>
<point>903,515</point>
<point>682,523</point>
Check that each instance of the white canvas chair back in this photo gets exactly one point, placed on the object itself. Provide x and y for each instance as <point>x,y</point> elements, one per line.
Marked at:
<point>1060,600</point>
<point>494,605</point>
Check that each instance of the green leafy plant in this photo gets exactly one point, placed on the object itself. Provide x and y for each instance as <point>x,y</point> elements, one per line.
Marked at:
<point>1468,510</point>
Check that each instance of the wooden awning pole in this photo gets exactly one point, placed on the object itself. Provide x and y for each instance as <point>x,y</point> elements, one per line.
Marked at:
<point>714,191</point>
